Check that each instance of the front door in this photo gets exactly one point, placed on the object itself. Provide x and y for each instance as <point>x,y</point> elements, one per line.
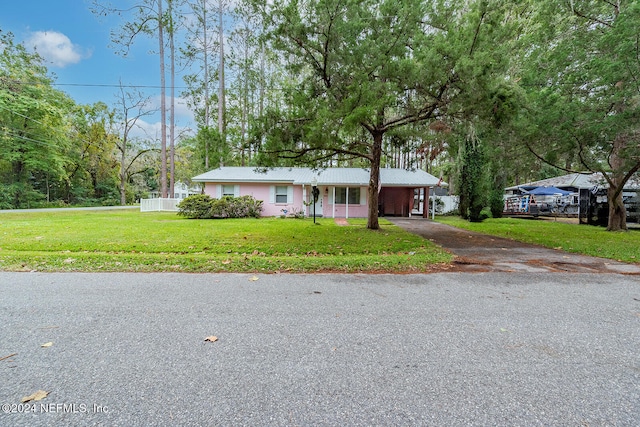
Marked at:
<point>318,204</point>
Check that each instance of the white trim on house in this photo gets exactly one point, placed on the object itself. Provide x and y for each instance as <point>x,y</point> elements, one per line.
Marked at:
<point>273,194</point>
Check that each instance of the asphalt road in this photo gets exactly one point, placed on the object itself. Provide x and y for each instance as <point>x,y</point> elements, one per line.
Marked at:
<point>447,349</point>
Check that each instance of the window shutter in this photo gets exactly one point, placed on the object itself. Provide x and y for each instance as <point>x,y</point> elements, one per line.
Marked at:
<point>236,191</point>
<point>290,194</point>
<point>363,195</point>
<point>272,194</point>
<point>218,191</point>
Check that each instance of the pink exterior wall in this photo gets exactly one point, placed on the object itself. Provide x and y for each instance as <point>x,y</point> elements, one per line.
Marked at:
<point>355,211</point>
<point>263,192</point>
<point>340,210</point>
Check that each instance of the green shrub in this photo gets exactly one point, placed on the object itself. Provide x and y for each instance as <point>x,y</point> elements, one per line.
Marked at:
<point>236,207</point>
<point>484,214</point>
<point>251,207</point>
<point>202,206</point>
<point>197,206</point>
<point>220,207</point>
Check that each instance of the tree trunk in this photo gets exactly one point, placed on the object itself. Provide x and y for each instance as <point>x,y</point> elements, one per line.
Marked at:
<point>172,116</point>
<point>123,176</point>
<point>221,89</point>
<point>207,99</point>
<point>617,211</point>
<point>163,106</point>
<point>172,111</point>
<point>374,182</point>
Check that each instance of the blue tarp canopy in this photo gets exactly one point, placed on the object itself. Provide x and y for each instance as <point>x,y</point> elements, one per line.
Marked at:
<point>548,191</point>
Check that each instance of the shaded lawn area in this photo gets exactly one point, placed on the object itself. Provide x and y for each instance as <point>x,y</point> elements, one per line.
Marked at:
<point>162,241</point>
<point>582,239</point>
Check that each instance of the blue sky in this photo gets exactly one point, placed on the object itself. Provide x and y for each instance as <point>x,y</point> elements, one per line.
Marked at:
<point>76,45</point>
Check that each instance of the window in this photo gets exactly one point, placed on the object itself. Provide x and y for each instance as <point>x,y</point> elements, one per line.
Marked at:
<point>354,195</point>
<point>281,194</point>
<point>228,190</point>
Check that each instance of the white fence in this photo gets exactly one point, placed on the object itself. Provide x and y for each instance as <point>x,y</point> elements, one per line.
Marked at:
<point>446,204</point>
<point>156,205</point>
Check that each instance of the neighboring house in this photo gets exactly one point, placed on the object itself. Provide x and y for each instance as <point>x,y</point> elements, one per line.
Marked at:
<point>590,190</point>
<point>155,202</point>
<point>180,191</point>
<point>343,192</point>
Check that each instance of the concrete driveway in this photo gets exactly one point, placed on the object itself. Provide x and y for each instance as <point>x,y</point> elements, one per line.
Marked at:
<point>445,349</point>
<point>481,253</point>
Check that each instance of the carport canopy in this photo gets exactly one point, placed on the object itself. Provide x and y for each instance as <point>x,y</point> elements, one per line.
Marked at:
<point>548,191</point>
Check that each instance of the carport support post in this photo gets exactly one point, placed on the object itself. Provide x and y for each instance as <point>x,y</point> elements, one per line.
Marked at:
<point>425,203</point>
<point>433,213</point>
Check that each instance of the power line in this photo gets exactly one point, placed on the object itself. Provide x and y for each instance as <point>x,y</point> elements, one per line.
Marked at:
<point>15,134</point>
<point>113,85</point>
<point>23,116</point>
<point>106,85</point>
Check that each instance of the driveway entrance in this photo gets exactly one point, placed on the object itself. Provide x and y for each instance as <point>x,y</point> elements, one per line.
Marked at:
<point>475,252</point>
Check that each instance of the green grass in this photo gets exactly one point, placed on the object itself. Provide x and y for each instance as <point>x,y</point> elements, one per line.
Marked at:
<point>582,239</point>
<point>134,241</point>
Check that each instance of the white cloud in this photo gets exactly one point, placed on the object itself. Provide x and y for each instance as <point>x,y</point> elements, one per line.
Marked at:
<point>151,132</point>
<point>183,112</point>
<point>146,130</point>
<point>56,48</point>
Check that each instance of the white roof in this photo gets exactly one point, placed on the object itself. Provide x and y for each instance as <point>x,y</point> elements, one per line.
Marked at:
<point>330,176</point>
<point>586,180</point>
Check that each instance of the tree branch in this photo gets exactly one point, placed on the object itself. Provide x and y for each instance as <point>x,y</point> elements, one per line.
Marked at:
<point>592,19</point>
<point>477,33</point>
<point>545,161</point>
<point>296,154</point>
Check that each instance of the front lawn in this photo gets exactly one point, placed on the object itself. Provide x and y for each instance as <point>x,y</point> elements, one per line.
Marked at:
<point>134,241</point>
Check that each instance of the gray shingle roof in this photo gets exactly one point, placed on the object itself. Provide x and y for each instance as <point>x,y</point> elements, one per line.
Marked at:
<point>330,176</point>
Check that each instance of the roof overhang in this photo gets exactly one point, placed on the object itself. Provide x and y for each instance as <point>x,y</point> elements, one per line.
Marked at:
<point>355,177</point>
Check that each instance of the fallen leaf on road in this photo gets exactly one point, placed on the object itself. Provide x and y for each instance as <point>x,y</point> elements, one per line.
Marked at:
<point>47,344</point>
<point>7,357</point>
<point>38,395</point>
<point>211,338</point>
<point>254,278</point>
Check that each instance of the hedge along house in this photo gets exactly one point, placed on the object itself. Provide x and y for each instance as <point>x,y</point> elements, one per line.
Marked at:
<point>343,192</point>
